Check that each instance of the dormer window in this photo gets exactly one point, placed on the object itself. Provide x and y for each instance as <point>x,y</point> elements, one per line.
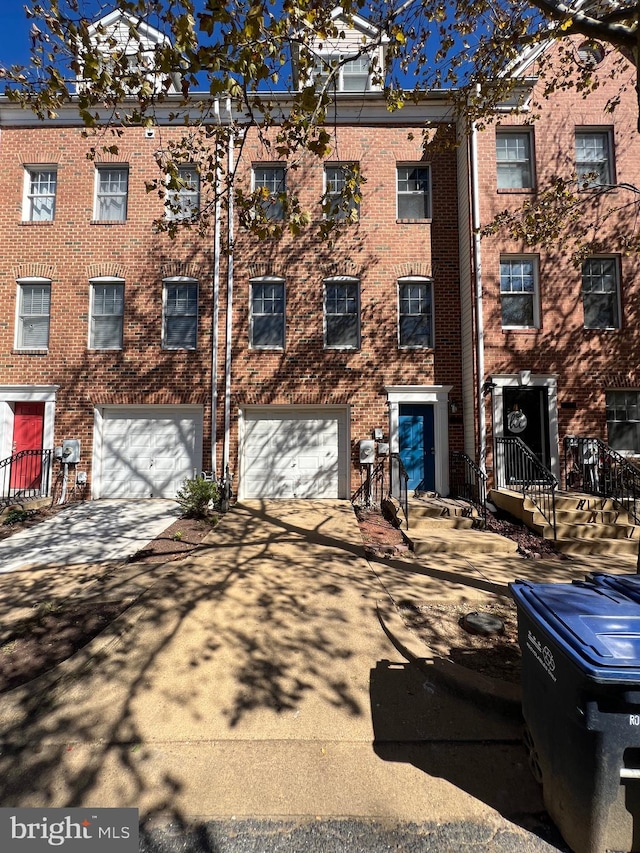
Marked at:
<point>352,75</point>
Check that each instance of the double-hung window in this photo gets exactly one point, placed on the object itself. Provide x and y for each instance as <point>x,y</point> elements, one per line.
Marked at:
<point>514,160</point>
<point>34,310</point>
<point>342,191</point>
<point>341,313</point>
<point>268,181</point>
<point>40,194</point>
<point>267,320</point>
<point>623,420</point>
<point>183,200</point>
<point>594,165</point>
<point>415,312</point>
<point>107,314</point>
<point>601,293</point>
<point>180,314</point>
<point>112,185</point>
<point>349,75</point>
<point>519,293</point>
<point>414,192</point>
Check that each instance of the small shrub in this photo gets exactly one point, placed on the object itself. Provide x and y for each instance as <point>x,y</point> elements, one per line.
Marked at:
<point>197,496</point>
<point>15,516</point>
<point>177,536</point>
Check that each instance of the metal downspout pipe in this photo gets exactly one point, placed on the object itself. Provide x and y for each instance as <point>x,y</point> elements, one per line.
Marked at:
<point>477,280</point>
<point>229,321</point>
<point>215,342</point>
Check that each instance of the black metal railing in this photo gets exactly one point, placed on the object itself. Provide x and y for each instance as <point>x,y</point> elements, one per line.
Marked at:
<point>468,482</point>
<point>398,479</point>
<point>25,475</point>
<point>519,469</point>
<point>372,488</point>
<point>591,466</point>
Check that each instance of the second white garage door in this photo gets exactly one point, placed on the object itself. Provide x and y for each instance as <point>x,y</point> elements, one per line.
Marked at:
<point>146,452</point>
<point>295,454</point>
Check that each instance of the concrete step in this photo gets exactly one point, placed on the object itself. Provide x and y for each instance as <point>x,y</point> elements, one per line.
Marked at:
<point>459,542</point>
<point>426,506</point>
<point>453,522</point>
<point>594,516</point>
<point>578,530</point>
<point>612,547</point>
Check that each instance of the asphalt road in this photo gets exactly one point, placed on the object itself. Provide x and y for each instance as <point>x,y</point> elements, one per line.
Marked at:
<point>346,836</point>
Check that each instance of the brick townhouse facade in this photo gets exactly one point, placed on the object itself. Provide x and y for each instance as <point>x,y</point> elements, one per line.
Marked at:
<point>556,337</point>
<point>164,357</point>
<point>167,356</point>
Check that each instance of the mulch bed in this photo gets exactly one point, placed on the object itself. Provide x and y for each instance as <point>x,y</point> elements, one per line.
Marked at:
<point>59,629</point>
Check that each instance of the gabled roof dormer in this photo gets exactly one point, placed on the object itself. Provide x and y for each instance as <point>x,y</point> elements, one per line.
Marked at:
<point>352,59</point>
<point>127,44</point>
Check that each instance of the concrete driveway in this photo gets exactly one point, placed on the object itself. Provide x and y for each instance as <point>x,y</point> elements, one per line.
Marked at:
<point>88,533</point>
<point>253,679</point>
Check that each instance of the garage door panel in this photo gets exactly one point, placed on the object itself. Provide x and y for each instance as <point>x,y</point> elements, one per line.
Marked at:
<point>147,453</point>
<point>296,454</point>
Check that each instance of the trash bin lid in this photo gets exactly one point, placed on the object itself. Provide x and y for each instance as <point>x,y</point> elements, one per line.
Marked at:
<point>597,627</point>
<point>628,585</point>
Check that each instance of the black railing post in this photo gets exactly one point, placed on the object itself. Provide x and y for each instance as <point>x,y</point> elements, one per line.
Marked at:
<point>521,470</point>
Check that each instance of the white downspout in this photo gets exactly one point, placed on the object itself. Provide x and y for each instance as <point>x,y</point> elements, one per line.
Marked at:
<point>215,343</point>
<point>477,275</point>
<point>229,324</point>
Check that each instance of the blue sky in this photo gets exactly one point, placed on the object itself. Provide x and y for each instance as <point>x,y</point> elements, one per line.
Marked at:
<point>14,33</point>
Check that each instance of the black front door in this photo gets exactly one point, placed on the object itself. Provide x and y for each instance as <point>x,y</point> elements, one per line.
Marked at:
<point>526,415</point>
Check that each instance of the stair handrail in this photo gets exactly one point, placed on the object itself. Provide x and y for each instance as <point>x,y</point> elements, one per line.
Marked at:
<point>593,467</point>
<point>22,460</point>
<point>520,469</point>
<point>398,480</point>
<point>473,488</point>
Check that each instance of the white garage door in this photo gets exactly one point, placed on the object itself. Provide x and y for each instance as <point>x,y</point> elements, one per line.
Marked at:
<point>147,452</point>
<point>294,454</point>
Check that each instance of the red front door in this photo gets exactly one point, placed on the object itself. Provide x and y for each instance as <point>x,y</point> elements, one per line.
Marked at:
<point>28,428</point>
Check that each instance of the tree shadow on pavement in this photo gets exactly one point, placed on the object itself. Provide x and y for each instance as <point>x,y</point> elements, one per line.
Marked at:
<point>420,721</point>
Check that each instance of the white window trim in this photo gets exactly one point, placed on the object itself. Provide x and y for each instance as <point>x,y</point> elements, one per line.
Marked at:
<point>516,130</point>
<point>339,164</point>
<point>438,396</point>
<point>340,279</point>
<point>179,279</point>
<point>173,197</point>
<point>113,167</point>
<point>416,279</point>
<point>600,131</point>
<point>10,394</point>
<point>27,209</point>
<point>418,165</point>
<point>618,269</point>
<point>536,291</point>
<point>273,167</point>
<point>268,279</point>
<point>326,57</point>
<point>18,326</point>
<point>103,279</point>
<point>548,381</point>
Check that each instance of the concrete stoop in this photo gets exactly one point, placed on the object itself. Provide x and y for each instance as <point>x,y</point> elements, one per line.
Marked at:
<point>585,524</point>
<point>446,526</point>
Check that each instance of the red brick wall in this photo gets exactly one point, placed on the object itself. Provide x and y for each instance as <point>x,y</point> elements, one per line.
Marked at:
<point>586,362</point>
<point>73,249</point>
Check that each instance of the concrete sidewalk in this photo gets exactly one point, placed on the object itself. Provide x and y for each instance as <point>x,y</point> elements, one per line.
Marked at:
<point>91,532</point>
<point>254,679</point>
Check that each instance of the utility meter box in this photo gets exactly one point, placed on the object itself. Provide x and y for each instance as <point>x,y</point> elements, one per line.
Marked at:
<point>71,450</point>
<point>383,449</point>
<point>367,452</point>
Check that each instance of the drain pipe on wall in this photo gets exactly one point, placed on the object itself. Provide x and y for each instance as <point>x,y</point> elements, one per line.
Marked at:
<point>229,323</point>
<point>477,275</point>
<point>215,342</point>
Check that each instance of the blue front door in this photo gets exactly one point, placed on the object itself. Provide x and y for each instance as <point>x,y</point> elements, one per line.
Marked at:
<point>416,446</point>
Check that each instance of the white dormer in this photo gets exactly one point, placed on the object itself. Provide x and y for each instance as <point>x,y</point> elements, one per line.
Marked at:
<point>119,35</point>
<point>355,59</point>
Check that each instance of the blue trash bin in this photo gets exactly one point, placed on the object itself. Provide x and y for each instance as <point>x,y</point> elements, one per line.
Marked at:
<point>581,704</point>
<point>628,585</point>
